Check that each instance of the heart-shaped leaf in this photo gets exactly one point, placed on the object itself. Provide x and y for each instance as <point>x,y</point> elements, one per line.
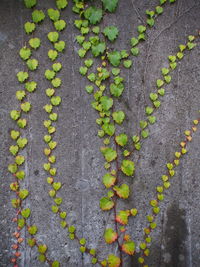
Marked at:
<point>172,58</point>
<point>109,128</point>
<point>61,4</point>
<point>25,53</point>
<point>111,32</point>
<point>57,185</point>
<point>141,28</point>
<point>60,25</point>
<point>88,63</point>
<point>23,193</point>
<point>26,213</point>
<point>149,110</point>
<point>110,5</point>
<point>173,65</point>
<point>159,10</point>
<point>22,123</point>
<point>121,139</point>
<point>53,36</point>
<point>31,86</point>
<point>56,82</point>
<point>53,14</point>
<point>57,67</point>
<point>161,92</point>
<point>26,106</point>
<point>116,90</point>
<point>145,133</point>
<point>13,150</point>
<point>98,49</point>
<point>52,145</point>
<point>122,217</point>
<point>42,248</point>
<point>30,3</point>
<point>89,89</point>
<point>159,83</point>
<point>167,78</point>
<point>22,76</point>
<point>34,43</point>
<point>55,264</point>
<point>106,203</point>
<point>128,247</point>
<point>20,95</point>
<point>108,153</point>
<point>19,160</point>
<point>152,119</point>
<point>22,142</point>
<point>50,92</point>
<point>128,167</point>
<point>56,100</point>
<point>106,102</point>
<point>49,74</point>
<point>12,168</point>
<point>31,242</point>
<point>53,116</point>
<point>93,14</point>
<point>150,22</point>
<point>114,58</point>
<point>32,229</point>
<point>38,16</point>
<point>20,175</point>
<point>86,45</point>
<point>29,27</point>
<point>118,116</point>
<point>191,45</point>
<point>63,214</point>
<point>110,235</point>
<point>109,180</point>
<point>143,124</point>
<point>83,70</point>
<point>48,108</point>
<point>14,134</point>
<point>32,64</point>
<point>59,46</point>
<point>122,191</point>
<point>127,63</point>
<point>15,114</point>
<point>52,54</point>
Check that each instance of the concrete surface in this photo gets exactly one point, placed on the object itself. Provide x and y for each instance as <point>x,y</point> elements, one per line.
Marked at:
<point>176,243</point>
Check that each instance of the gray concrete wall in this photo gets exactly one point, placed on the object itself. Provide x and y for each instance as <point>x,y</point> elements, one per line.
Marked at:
<point>176,242</point>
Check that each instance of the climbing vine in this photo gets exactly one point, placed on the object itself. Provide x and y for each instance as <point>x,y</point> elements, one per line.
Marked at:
<point>102,66</point>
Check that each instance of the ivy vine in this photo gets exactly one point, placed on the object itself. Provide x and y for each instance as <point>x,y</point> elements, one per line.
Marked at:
<point>102,67</point>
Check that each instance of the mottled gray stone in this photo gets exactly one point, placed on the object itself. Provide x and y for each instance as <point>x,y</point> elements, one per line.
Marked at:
<point>79,162</point>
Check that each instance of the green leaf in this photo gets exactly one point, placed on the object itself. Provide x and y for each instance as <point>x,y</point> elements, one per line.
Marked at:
<point>52,54</point>
<point>12,168</point>
<point>26,213</point>
<point>55,100</point>
<point>14,134</point>
<point>110,235</point>
<point>26,106</point>
<point>89,89</point>
<point>109,128</point>
<point>159,10</point>
<point>115,71</point>
<point>127,63</point>
<point>152,119</point>
<point>143,124</point>
<point>135,51</point>
<point>56,82</point>
<point>111,32</point>
<point>172,58</point>
<point>167,78</point>
<point>22,123</point>
<point>80,39</point>
<point>82,52</point>
<point>32,229</point>
<point>53,36</point>
<point>141,28</point>
<point>25,53</point>
<point>122,217</point>
<point>34,43</point>
<point>31,242</point>
<point>145,133</point>
<point>22,142</point>
<point>93,14</point>
<point>118,116</point>
<point>128,247</point>
<point>30,3</point>
<point>106,203</point>
<point>61,4</point>
<point>150,22</point>
<point>29,27</point>
<point>165,71</point>
<point>53,14</point>
<point>83,70</point>
<point>55,264</point>
<point>108,153</point>
<point>49,74</point>
<point>57,67</point>
<point>50,92</point>
<point>23,193</point>
<point>32,64</point>
<point>110,5</point>
<point>13,150</point>
<point>22,76</point>
<point>122,191</point>
<point>191,45</point>
<point>106,102</point>
<point>88,62</point>
<point>98,49</point>
<point>159,83</point>
<point>134,41</point>
<point>60,25</point>
<point>114,58</point>
<point>31,86</point>
<point>38,16</point>
<point>128,167</point>
<point>20,95</point>
<point>116,90</point>
<point>42,249</point>
<point>121,139</point>
<point>109,180</point>
<point>15,114</point>
<point>59,46</point>
<point>86,45</point>
<point>113,261</point>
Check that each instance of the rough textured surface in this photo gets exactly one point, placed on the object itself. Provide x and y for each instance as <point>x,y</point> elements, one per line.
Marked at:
<point>80,164</point>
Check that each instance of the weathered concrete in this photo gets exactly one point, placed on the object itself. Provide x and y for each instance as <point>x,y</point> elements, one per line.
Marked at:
<point>80,164</point>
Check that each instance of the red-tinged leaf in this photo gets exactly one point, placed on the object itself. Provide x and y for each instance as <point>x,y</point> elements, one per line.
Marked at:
<point>122,217</point>
<point>109,180</point>
<point>110,235</point>
<point>113,261</point>
<point>122,191</point>
<point>106,203</point>
<point>129,247</point>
